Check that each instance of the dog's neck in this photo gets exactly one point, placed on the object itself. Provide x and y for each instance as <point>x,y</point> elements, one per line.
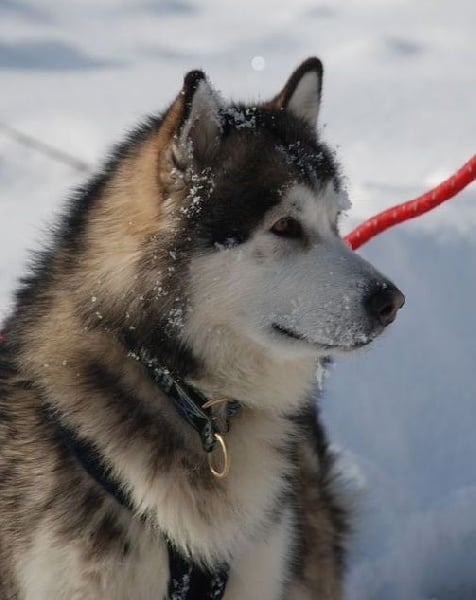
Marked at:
<point>107,399</point>
<point>253,374</point>
<point>220,362</point>
<point>193,406</point>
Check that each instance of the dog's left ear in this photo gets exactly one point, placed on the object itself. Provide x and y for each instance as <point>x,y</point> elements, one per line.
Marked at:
<point>198,129</point>
<point>302,93</point>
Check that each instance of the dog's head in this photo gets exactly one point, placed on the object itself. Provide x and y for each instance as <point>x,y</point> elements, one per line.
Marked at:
<point>261,198</point>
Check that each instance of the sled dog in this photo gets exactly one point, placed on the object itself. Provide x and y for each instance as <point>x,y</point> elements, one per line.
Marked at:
<point>159,435</point>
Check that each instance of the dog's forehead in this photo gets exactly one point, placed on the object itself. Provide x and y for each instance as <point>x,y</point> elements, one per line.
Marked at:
<point>312,202</point>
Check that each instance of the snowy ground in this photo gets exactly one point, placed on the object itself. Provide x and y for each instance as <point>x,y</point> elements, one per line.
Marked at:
<point>399,104</point>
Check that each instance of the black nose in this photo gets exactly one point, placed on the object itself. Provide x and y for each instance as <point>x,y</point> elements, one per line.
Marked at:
<point>384,303</point>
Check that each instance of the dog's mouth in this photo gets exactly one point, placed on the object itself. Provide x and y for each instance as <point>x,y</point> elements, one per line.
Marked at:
<point>289,333</point>
<point>299,337</point>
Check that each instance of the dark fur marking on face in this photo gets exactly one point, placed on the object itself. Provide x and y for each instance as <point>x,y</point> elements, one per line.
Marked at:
<point>308,158</point>
<point>249,177</point>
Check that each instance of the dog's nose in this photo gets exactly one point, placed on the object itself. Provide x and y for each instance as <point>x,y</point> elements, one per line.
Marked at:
<point>384,303</point>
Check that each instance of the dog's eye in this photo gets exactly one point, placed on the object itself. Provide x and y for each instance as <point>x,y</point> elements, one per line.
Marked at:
<point>287,227</point>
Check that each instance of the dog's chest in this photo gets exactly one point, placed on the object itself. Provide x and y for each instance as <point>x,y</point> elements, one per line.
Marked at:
<point>50,571</point>
<point>218,519</point>
<point>249,524</point>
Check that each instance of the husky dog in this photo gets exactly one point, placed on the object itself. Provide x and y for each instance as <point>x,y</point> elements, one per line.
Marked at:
<point>158,430</point>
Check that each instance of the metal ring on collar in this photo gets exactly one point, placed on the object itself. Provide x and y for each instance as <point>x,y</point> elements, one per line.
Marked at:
<point>223,472</point>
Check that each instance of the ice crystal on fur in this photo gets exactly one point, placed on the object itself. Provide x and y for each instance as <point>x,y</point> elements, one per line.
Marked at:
<point>201,184</point>
<point>242,118</point>
<point>176,317</point>
<point>228,244</point>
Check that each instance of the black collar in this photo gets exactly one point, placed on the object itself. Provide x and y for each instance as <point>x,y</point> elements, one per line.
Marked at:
<point>189,402</point>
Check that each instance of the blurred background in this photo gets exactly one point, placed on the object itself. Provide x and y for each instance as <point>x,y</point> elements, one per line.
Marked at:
<point>399,108</point>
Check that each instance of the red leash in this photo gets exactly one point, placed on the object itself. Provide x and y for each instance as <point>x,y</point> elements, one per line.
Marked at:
<point>413,208</point>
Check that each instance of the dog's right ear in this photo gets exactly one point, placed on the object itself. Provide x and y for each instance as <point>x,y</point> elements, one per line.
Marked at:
<point>198,127</point>
<point>302,93</point>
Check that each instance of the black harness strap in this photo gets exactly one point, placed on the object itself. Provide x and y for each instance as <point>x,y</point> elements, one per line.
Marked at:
<point>188,581</point>
<point>191,582</point>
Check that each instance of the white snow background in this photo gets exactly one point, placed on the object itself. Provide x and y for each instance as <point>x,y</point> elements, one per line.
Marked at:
<point>400,106</point>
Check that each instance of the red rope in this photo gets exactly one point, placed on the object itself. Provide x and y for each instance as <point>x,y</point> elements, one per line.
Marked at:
<point>413,208</point>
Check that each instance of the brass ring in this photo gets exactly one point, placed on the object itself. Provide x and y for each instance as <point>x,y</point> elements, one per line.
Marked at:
<point>213,402</point>
<point>226,460</point>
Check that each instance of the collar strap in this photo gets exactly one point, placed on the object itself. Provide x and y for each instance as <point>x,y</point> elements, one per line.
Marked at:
<point>191,404</point>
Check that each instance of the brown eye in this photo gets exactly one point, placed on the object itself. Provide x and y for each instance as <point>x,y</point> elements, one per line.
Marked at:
<point>287,227</point>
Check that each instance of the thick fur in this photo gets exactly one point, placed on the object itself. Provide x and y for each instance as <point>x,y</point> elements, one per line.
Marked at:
<point>172,252</point>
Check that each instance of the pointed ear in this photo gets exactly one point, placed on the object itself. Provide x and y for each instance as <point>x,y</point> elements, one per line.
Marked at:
<point>302,93</point>
<point>198,129</point>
